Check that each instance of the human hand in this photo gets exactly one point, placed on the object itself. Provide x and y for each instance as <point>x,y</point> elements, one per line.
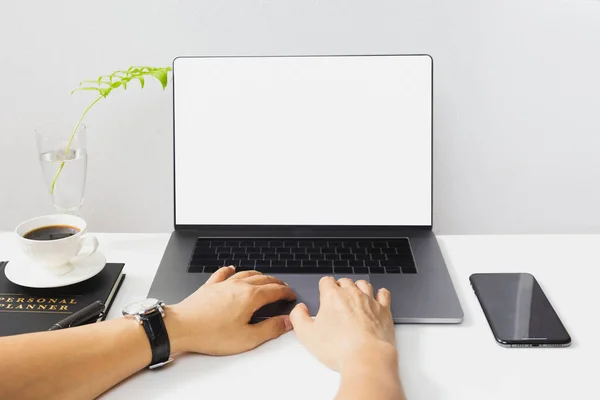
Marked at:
<point>350,322</point>
<point>215,319</point>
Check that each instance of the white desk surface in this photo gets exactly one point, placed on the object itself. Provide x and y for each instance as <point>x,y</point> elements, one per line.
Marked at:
<point>436,361</point>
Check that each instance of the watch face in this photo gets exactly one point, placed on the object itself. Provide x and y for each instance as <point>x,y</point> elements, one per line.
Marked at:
<point>140,307</point>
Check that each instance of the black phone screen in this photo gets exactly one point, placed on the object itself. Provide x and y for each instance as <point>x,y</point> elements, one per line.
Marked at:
<point>517,309</point>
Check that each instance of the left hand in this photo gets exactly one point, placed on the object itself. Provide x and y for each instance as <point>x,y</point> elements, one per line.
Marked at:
<point>215,319</point>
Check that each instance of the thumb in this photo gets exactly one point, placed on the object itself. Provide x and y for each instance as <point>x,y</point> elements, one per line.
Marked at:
<point>300,319</point>
<point>271,328</point>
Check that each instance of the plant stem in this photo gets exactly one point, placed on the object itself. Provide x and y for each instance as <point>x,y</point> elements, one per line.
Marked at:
<point>62,164</point>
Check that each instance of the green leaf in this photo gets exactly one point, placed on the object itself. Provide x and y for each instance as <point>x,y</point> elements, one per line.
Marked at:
<point>161,76</point>
<point>121,78</point>
<point>97,82</point>
<point>105,92</point>
<point>84,88</point>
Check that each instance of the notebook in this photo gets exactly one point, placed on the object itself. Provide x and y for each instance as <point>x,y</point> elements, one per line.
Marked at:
<point>24,310</point>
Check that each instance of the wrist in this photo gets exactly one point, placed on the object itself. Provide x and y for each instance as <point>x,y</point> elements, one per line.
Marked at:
<point>372,356</point>
<point>373,368</point>
<point>175,329</point>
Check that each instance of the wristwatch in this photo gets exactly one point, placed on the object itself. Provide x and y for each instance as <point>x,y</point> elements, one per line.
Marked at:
<point>150,313</point>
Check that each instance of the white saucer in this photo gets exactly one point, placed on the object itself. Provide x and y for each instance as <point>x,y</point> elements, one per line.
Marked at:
<point>25,273</point>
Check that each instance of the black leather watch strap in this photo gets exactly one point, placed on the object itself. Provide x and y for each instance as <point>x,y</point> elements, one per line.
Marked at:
<point>157,335</point>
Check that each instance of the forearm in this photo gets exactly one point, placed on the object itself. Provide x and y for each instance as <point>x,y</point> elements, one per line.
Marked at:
<point>74,363</point>
<point>371,374</point>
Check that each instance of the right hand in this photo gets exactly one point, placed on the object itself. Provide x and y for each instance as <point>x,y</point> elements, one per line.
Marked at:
<point>350,321</point>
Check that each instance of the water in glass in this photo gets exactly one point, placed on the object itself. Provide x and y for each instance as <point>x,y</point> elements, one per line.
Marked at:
<point>70,185</point>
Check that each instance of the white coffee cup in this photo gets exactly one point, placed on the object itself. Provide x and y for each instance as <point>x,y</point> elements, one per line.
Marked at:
<point>58,256</point>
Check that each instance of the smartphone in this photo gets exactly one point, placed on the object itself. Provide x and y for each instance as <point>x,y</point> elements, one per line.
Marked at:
<point>518,311</point>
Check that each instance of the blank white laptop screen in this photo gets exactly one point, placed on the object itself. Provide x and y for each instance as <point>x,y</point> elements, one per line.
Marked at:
<point>303,140</point>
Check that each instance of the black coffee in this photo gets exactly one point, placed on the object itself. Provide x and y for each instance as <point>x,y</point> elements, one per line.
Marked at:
<point>52,232</point>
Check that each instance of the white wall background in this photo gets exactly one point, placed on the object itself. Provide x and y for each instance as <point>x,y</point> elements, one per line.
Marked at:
<point>517,98</point>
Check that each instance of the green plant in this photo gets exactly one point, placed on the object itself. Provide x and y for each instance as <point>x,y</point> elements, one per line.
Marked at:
<point>106,84</point>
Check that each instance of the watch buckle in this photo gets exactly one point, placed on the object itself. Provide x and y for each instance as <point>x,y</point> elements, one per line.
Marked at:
<point>158,365</point>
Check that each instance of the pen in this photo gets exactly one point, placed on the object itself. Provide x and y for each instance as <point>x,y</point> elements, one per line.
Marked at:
<point>81,317</point>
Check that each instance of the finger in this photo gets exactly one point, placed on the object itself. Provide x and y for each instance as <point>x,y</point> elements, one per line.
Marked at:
<point>221,274</point>
<point>269,329</point>
<point>272,292</point>
<point>245,274</point>
<point>384,297</point>
<point>300,319</point>
<point>365,287</point>
<point>345,282</point>
<point>263,280</point>
<point>327,283</point>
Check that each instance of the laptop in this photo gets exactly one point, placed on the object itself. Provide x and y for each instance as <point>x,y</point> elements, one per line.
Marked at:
<point>307,166</point>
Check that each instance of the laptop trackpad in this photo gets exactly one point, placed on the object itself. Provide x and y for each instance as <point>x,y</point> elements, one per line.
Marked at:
<point>307,292</point>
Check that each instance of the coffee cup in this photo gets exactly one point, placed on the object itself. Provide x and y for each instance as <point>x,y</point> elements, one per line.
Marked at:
<point>56,242</point>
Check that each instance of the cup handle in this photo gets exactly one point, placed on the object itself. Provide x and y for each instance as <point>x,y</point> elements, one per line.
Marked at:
<point>87,238</point>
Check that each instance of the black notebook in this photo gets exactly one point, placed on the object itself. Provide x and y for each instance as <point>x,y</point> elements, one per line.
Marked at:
<point>24,310</point>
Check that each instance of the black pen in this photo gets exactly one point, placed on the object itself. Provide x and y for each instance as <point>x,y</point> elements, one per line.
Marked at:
<point>81,317</point>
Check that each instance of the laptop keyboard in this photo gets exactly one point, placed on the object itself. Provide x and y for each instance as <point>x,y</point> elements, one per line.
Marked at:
<point>305,256</point>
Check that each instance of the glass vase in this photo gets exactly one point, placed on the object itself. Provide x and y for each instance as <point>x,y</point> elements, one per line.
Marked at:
<point>63,157</point>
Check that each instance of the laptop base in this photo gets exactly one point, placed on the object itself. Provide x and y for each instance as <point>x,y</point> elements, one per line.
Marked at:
<point>425,297</point>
